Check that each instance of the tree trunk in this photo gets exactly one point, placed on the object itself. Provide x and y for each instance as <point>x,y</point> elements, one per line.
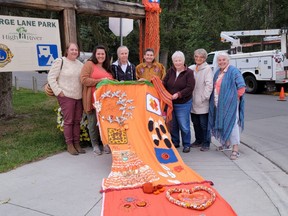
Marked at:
<point>164,58</point>
<point>6,108</point>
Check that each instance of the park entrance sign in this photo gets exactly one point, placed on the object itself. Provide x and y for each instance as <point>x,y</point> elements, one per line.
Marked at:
<point>28,44</point>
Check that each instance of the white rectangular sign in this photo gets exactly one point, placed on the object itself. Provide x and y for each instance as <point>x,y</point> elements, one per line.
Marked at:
<point>28,44</point>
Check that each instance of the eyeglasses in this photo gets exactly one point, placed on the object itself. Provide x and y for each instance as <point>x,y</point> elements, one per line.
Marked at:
<point>197,56</point>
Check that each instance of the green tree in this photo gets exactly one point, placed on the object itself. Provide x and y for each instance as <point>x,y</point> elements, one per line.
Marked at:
<point>190,24</point>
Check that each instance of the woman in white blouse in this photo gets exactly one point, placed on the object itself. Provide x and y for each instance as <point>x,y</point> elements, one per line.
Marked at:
<point>64,80</point>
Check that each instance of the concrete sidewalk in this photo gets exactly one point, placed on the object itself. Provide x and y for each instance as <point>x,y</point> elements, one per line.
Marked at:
<point>65,185</point>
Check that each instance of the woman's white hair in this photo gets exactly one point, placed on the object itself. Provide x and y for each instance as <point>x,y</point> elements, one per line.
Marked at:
<point>223,54</point>
<point>178,54</point>
<point>120,48</point>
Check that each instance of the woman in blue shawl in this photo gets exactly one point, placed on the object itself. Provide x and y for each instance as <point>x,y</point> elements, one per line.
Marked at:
<point>226,106</point>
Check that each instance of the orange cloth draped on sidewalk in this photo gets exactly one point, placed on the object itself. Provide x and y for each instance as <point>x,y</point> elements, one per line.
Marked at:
<point>131,122</point>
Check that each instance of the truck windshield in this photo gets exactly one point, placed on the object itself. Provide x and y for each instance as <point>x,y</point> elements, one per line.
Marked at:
<point>210,58</point>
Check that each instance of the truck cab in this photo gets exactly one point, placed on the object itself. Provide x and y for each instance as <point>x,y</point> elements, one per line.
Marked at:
<point>212,60</point>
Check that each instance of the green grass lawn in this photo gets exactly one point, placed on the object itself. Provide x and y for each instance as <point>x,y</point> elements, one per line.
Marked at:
<point>33,133</point>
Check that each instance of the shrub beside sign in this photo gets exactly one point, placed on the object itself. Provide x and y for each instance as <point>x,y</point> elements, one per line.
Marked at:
<point>28,44</point>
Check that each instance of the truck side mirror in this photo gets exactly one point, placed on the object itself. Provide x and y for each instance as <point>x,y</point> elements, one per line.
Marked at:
<point>232,51</point>
<point>239,49</point>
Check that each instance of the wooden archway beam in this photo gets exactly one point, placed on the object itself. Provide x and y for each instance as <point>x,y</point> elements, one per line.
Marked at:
<point>69,27</point>
<point>107,8</point>
<point>69,8</point>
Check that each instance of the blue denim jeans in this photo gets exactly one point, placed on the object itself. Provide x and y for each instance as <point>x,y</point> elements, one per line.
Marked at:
<point>181,121</point>
<point>200,124</point>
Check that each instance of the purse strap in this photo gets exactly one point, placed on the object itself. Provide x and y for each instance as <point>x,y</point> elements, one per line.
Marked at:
<point>61,64</point>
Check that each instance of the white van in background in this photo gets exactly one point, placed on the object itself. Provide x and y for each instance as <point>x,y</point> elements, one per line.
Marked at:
<point>84,56</point>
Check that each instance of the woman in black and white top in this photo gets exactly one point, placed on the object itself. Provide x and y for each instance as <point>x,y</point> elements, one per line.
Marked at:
<point>123,70</point>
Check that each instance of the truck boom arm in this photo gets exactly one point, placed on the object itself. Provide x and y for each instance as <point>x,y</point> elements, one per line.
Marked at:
<point>267,32</point>
<point>233,36</point>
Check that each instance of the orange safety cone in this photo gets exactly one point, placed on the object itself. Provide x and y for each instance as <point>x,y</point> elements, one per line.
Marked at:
<point>282,95</point>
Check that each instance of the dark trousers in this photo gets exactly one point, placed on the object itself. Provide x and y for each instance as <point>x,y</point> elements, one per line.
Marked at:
<point>93,129</point>
<point>72,111</point>
<point>200,124</point>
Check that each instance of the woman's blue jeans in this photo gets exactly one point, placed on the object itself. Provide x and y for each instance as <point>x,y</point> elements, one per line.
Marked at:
<point>181,122</point>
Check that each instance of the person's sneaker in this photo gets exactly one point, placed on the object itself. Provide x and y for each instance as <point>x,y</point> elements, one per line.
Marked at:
<point>204,149</point>
<point>177,146</point>
<point>195,145</point>
<point>106,149</point>
<point>97,151</point>
<point>186,149</point>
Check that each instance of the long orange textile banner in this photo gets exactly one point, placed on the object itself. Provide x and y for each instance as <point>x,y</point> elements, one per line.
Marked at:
<point>130,121</point>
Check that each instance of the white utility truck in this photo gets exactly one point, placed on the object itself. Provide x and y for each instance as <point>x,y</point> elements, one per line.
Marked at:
<point>264,68</point>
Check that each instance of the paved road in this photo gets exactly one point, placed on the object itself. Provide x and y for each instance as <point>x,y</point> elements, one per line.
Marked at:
<point>25,79</point>
<point>266,126</point>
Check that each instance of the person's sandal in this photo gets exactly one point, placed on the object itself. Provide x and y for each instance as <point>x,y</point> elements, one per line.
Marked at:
<point>224,148</point>
<point>234,155</point>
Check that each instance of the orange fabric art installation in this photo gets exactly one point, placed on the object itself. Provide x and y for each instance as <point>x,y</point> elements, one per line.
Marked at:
<point>152,27</point>
<point>148,176</point>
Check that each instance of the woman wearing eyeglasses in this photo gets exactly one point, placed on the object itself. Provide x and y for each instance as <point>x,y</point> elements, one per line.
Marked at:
<point>203,88</point>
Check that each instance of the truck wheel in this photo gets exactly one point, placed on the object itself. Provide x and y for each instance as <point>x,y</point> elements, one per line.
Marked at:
<point>251,84</point>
